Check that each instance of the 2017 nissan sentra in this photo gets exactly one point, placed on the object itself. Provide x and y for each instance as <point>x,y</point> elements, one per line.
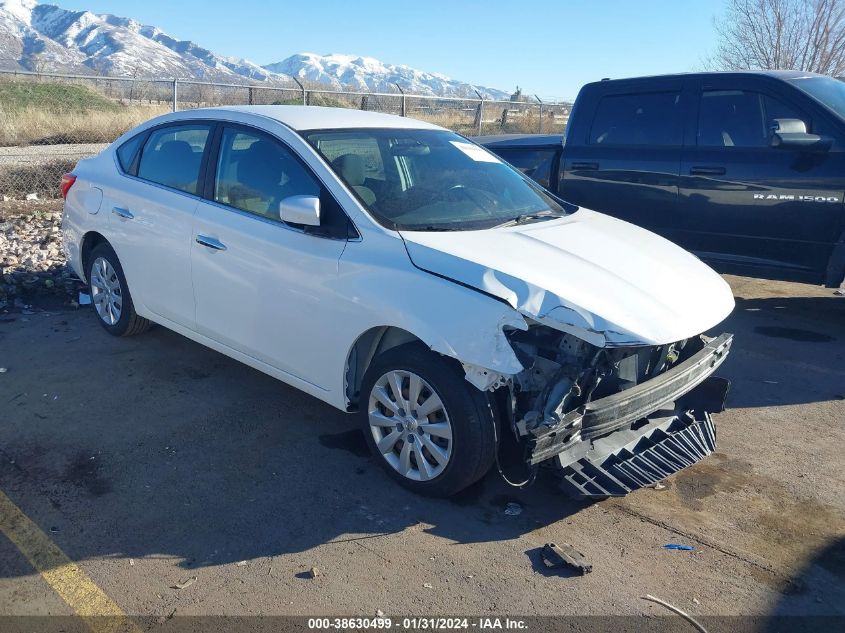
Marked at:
<point>393,268</point>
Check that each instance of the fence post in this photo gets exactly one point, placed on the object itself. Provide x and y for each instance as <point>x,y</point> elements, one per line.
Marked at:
<point>175,94</point>
<point>403,98</point>
<point>251,96</point>
<point>480,112</point>
<point>302,88</point>
<point>540,101</point>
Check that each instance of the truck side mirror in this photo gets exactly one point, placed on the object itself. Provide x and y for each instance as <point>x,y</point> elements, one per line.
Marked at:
<point>792,134</point>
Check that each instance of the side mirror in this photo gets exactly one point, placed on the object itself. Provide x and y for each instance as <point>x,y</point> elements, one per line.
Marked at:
<point>300,210</point>
<point>792,134</point>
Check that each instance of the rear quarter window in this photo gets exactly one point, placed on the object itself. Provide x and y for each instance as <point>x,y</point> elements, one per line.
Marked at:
<point>127,153</point>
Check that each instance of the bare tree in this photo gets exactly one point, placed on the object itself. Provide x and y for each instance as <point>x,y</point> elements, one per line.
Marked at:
<point>806,35</point>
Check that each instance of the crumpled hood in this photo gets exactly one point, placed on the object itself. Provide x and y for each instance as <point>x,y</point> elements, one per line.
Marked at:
<point>600,278</point>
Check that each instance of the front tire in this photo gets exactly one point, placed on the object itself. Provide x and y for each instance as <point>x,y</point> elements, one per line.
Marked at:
<point>429,428</point>
<point>110,295</point>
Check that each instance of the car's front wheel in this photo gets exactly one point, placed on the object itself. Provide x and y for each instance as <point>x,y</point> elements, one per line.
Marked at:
<point>110,294</point>
<point>429,428</point>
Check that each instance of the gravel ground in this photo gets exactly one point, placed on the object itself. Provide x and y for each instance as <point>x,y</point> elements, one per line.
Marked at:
<point>31,257</point>
<point>35,154</point>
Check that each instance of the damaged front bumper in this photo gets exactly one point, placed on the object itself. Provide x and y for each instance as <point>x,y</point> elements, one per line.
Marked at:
<point>638,436</point>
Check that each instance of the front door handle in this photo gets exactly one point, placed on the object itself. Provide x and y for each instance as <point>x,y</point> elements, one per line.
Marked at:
<point>585,166</point>
<point>707,171</point>
<point>126,214</point>
<point>217,245</point>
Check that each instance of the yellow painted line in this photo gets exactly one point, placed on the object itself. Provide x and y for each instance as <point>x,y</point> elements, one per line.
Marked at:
<point>66,578</point>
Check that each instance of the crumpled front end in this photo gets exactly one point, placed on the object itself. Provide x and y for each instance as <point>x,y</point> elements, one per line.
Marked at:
<point>614,419</point>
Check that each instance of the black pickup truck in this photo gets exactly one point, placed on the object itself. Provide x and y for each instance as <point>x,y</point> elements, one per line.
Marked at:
<point>745,169</point>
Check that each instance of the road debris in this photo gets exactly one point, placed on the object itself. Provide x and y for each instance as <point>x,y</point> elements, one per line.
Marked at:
<point>513,509</point>
<point>3,370</point>
<point>131,562</point>
<point>675,609</point>
<point>184,585</point>
<point>84,299</point>
<point>313,572</point>
<point>679,546</point>
<point>658,486</point>
<point>379,613</point>
<point>556,556</point>
<point>428,585</point>
<point>240,563</point>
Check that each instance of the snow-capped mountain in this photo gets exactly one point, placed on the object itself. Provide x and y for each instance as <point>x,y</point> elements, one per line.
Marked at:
<point>366,73</point>
<point>47,38</point>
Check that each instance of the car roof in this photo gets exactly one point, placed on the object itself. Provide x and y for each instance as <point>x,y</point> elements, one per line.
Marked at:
<point>520,140</point>
<point>324,118</point>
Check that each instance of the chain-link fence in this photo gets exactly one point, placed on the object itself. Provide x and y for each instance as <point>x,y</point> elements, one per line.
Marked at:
<point>49,121</point>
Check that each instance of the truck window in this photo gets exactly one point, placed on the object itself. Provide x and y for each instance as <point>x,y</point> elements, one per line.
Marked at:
<point>638,119</point>
<point>534,163</point>
<point>739,118</point>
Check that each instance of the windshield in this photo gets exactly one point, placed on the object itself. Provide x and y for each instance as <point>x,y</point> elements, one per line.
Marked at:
<point>827,90</point>
<point>431,180</point>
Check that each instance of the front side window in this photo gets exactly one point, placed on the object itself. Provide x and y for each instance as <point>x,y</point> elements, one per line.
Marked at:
<point>638,119</point>
<point>255,173</point>
<point>739,118</point>
<point>534,163</point>
<point>828,91</point>
<point>432,180</point>
<point>172,156</point>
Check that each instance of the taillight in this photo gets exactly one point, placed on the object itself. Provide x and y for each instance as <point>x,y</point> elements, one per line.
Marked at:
<point>67,183</point>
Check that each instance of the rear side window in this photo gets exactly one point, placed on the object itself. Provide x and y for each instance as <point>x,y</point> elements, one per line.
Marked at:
<point>534,163</point>
<point>738,118</point>
<point>127,152</point>
<point>172,156</point>
<point>638,119</point>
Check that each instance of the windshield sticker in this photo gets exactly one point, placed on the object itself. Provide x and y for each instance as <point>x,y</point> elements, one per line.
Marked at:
<point>475,152</point>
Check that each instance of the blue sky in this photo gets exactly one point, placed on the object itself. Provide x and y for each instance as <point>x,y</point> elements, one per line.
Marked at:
<point>548,47</point>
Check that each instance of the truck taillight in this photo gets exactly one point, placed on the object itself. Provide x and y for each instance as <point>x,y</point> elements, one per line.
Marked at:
<point>67,183</point>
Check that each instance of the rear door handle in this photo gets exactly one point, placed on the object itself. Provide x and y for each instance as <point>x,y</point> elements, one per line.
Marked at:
<point>126,214</point>
<point>707,171</point>
<point>585,166</point>
<point>217,245</point>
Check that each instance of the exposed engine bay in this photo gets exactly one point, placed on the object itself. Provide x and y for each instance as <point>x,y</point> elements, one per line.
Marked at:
<point>575,401</point>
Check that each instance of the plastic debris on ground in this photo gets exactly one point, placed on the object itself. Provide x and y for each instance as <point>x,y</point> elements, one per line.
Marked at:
<point>679,546</point>
<point>513,509</point>
<point>564,555</point>
<point>184,585</point>
<point>84,299</point>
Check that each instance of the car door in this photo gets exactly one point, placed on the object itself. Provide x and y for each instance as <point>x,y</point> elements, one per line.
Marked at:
<point>625,162</point>
<point>753,208</point>
<point>260,284</point>
<point>151,218</point>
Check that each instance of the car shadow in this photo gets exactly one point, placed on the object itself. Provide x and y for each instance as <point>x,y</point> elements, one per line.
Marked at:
<point>199,457</point>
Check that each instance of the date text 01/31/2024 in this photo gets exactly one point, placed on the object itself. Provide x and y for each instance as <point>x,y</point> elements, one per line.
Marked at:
<point>416,623</point>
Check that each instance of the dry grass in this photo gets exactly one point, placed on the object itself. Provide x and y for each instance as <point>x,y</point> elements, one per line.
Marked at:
<point>39,126</point>
<point>41,179</point>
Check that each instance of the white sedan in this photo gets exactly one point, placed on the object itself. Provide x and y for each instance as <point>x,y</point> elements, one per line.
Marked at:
<point>393,268</point>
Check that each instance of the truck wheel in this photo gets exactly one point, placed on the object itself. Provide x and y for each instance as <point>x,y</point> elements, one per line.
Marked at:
<point>429,428</point>
<point>110,296</point>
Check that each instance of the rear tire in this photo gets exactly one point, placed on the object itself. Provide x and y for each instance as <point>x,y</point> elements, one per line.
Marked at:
<point>435,436</point>
<point>110,295</point>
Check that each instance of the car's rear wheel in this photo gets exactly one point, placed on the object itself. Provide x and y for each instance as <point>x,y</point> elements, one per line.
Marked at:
<point>110,295</point>
<point>427,426</point>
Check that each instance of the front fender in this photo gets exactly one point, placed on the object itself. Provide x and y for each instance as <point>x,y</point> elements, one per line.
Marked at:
<point>451,319</point>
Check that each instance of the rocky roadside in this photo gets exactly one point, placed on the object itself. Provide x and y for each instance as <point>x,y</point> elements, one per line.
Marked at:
<point>32,264</point>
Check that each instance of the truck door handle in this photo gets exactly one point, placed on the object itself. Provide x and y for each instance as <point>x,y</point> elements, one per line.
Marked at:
<point>126,214</point>
<point>210,242</point>
<point>585,166</point>
<point>707,171</point>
